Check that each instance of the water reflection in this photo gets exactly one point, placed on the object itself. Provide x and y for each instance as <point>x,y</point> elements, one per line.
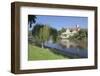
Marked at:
<point>73,44</point>
<point>70,48</point>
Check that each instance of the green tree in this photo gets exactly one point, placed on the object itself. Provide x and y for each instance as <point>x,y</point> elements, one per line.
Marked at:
<point>36,29</point>
<point>44,35</point>
<point>41,33</point>
<point>80,35</point>
<point>53,34</point>
<point>61,31</point>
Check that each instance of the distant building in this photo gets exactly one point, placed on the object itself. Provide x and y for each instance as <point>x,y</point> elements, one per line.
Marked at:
<point>69,32</point>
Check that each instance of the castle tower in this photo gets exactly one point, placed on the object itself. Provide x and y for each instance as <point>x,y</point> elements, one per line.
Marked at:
<point>77,27</point>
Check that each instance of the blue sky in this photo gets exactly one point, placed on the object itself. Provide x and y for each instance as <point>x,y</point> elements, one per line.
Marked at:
<point>62,21</point>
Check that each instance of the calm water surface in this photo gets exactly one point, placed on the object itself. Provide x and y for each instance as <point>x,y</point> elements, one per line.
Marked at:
<point>70,48</point>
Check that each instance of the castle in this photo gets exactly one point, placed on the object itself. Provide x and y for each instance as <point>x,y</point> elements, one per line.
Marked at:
<point>69,32</point>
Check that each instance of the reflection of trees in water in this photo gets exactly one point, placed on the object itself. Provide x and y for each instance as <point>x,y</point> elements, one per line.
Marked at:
<point>73,44</point>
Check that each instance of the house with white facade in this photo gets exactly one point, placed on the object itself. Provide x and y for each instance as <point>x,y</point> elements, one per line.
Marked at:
<point>69,32</point>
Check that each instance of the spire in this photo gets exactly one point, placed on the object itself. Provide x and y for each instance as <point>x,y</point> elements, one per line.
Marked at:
<point>77,26</point>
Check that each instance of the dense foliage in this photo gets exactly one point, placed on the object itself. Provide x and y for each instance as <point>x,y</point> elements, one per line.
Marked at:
<point>80,35</point>
<point>43,33</point>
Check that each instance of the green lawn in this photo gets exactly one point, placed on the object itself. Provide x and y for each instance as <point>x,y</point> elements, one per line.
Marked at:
<point>37,53</point>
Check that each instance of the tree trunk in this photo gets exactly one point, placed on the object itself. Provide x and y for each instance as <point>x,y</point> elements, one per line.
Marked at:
<point>42,45</point>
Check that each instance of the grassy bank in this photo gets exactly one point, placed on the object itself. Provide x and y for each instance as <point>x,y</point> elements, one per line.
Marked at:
<point>37,53</point>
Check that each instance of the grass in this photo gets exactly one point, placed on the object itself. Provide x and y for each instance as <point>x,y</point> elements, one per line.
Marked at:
<point>37,53</point>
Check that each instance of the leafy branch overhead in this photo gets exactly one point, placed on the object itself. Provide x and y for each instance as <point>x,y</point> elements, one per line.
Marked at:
<point>31,19</point>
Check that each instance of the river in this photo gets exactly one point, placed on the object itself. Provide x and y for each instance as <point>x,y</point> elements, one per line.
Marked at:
<point>70,48</point>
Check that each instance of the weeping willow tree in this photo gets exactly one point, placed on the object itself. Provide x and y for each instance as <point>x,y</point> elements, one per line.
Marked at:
<point>41,33</point>
<point>44,34</point>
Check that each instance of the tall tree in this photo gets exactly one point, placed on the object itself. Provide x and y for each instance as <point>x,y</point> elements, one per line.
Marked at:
<point>44,34</point>
<point>41,33</point>
<point>53,34</point>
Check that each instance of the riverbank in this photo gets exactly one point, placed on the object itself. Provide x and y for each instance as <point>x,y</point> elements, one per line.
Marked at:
<point>37,53</point>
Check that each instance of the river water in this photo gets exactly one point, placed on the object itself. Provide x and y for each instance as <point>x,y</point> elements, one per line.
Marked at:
<point>70,48</point>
